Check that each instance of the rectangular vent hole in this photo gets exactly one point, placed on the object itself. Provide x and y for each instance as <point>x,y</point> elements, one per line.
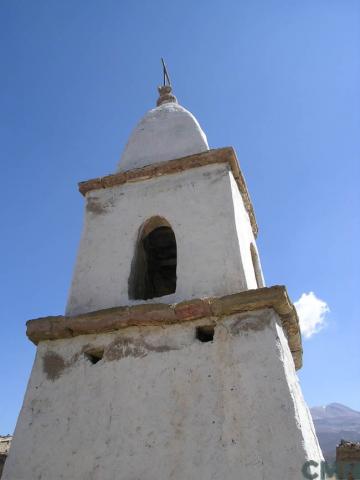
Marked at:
<point>94,356</point>
<point>205,333</point>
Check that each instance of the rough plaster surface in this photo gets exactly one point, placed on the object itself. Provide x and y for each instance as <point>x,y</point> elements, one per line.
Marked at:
<point>161,405</point>
<point>211,226</point>
<point>166,132</point>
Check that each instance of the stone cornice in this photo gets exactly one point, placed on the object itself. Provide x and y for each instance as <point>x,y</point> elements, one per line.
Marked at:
<point>157,314</point>
<point>219,155</point>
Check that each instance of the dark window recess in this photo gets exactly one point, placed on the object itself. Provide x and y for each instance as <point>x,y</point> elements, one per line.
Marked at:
<point>94,356</point>
<point>154,266</point>
<point>205,333</point>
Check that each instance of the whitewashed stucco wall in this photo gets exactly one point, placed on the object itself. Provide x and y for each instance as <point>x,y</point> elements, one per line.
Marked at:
<point>161,405</point>
<point>198,204</point>
<point>245,237</point>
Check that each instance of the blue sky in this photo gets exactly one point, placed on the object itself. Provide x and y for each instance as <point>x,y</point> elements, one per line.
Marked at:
<point>278,80</point>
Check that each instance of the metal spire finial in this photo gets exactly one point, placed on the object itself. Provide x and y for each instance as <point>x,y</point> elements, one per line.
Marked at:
<point>165,90</point>
<point>166,75</point>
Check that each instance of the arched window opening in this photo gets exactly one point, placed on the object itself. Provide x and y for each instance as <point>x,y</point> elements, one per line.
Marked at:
<point>153,271</point>
<point>256,266</point>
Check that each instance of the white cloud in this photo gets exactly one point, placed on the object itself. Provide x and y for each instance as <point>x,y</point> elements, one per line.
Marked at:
<point>312,313</point>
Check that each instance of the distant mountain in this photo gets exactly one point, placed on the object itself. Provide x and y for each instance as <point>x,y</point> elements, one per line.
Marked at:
<point>335,422</point>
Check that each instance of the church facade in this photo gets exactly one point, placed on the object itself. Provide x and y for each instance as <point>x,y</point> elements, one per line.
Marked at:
<point>173,359</point>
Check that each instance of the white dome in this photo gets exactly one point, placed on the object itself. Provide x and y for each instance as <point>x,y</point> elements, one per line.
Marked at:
<point>165,133</point>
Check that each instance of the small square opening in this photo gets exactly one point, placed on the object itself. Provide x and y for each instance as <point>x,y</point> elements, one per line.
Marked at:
<point>205,333</point>
<point>94,356</point>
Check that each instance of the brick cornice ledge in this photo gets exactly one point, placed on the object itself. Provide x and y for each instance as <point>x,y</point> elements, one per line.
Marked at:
<point>155,314</point>
<point>210,157</point>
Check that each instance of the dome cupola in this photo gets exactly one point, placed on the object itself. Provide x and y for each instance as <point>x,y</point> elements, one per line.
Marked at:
<point>166,132</point>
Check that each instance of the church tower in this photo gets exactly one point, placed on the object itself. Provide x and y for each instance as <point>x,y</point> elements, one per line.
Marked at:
<point>173,360</point>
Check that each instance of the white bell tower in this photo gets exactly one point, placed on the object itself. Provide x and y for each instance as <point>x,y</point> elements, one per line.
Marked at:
<point>167,172</point>
<point>173,360</point>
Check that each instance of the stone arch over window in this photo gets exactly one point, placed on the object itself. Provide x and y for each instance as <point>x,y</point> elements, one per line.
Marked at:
<point>256,266</point>
<point>153,269</point>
